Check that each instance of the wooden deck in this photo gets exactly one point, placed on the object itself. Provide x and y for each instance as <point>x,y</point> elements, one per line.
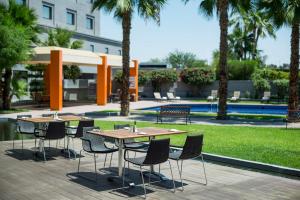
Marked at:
<point>21,177</point>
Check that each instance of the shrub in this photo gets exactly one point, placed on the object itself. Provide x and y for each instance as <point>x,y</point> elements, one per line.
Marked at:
<point>282,86</point>
<point>160,77</point>
<point>144,77</point>
<point>118,77</point>
<point>241,70</point>
<point>197,76</point>
<point>271,74</point>
<point>260,84</point>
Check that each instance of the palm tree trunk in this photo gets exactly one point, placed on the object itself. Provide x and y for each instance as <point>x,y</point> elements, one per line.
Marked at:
<point>294,68</point>
<point>126,26</point>
<point>223,22</point>
<point>6,89</point>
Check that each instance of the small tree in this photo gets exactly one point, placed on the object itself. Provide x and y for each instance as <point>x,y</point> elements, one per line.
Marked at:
<point>160,77</point>
<point>179,59</point>
<point>260,84</point>
<point>282,86</point>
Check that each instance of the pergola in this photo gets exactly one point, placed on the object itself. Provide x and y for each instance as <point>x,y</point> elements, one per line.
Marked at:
<point>56,57</point>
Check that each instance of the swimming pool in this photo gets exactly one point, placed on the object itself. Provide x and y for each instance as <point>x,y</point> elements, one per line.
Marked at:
<point>234,108</point>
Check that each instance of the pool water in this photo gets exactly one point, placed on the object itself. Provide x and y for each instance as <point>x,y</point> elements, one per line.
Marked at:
<point>234,108</point>
<point>8,130</point>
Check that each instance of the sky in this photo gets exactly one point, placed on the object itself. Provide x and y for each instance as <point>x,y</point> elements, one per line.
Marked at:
<point>183,28</point>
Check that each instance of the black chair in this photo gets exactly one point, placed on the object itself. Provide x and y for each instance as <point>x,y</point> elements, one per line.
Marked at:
<point>158,153</point>
<point>77,132</point>
<point>54,131</point>
<point>24,128</point>
<point>131,143</point>
<point>191,149</point>
<point>94,144</point>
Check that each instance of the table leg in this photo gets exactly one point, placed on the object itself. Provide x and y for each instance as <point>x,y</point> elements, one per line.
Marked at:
<point>120,158</point>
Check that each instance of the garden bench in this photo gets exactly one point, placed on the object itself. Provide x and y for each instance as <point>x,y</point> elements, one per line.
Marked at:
<point>174,112</point>
<point>293,116</point>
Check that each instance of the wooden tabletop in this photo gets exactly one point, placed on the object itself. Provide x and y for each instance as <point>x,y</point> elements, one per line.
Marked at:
<point>142,132</point>
<point>65,118</point>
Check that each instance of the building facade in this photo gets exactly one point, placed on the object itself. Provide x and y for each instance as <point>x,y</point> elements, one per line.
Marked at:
<point>76,16</point>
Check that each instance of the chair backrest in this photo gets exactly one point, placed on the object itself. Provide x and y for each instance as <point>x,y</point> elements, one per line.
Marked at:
<point>236,94</point>
<point>83,123</point>
<point>158,152</point>
<point>121,126</point>
<point>157,95</point>
<point>56,130</point>
<point>25,127</point>
<point>170,95</point>
<point>95,140</point>
<point>267,94</point>
<point>214,93</point>
<point>192,147</point>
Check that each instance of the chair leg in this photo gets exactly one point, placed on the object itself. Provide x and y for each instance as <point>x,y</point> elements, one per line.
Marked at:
<point>123,175</point>
<point>44,152</point>
<point>204,169</point>
<point>180,172</point>
<point>110,159</point>
<point>22,142</point>
<point>95,168</point>
<point>79,161</point>
<point>172,175</point>
<point>105,160</point>
<point>68,142</point>
<point>49,144</point>
<point>74,149</point>
<point>143,181</point>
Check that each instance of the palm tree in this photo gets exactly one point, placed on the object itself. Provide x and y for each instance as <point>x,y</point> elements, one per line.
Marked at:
<point>123,11</point>
<point>287,12</point>
<point>62,38</point>
<point>255,24</point>
<point>208,7</point>
<point>23,22</point>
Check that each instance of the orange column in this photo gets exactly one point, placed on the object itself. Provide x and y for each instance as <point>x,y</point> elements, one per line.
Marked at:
<point>134,73</point>
<point>109,81</point>
<point>56,81</point>
<point>47,80</point>
<point>102,82</point>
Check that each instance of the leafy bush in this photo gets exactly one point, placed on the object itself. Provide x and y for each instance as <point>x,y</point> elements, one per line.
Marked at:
<point>144,77</point>
<point>241,70</point>
<point>260,84</point>
<point>282,86</point>
<point>118,77</point>
<point>197,76</point>
<point>160,77</point>
<point>71,72</point>
<point>271,74</point>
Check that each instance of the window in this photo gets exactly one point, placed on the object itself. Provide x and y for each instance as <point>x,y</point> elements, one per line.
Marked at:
<point>89,22</point>
<point>21,2</point>
<point>92,48</point>
<point>47,11</point>
<point>106,50</point>
<point>70,17</point>
<point>120,52</point>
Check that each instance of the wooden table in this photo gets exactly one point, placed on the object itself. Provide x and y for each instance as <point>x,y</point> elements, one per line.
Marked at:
<point>65,118</point>
<point>123,134</point>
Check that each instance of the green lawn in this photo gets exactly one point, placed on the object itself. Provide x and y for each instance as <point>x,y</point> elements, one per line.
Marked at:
<point>269,145</point>
<point>13,110</point>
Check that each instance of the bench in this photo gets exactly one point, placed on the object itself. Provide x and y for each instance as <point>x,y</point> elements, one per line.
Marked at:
<point>293,116</point>
<point>174,112</point>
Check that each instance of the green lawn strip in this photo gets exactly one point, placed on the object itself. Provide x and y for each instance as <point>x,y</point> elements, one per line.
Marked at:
<point>13,110</point>
<point>268,145</point>
<point>202,114</point>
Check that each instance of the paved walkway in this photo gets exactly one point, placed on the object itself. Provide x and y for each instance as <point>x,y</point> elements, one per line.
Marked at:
<point>22,178</point>
<point>81,109</point>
